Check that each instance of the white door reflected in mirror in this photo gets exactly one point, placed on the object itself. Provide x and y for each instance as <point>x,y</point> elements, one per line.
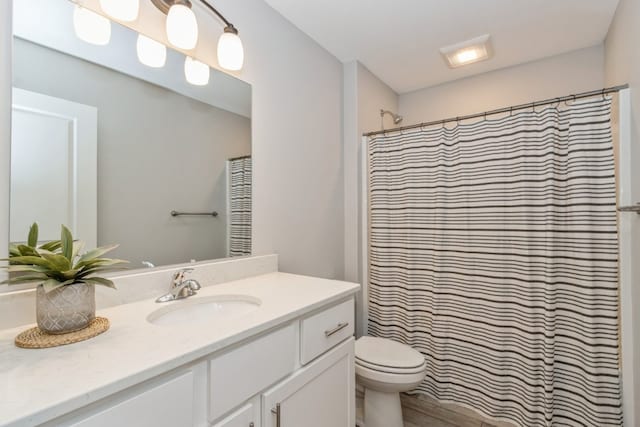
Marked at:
<point>53,167</point>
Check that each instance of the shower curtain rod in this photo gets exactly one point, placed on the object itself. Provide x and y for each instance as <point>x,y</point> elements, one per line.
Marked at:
<point>504,110</point>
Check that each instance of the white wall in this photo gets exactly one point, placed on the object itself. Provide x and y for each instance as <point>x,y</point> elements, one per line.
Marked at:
<point>566,74</point>
<point>296,133</point>
<point>364,96</point>
<point>622,65</point>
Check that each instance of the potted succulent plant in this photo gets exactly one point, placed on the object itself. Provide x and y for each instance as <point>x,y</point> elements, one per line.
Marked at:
<point>65,297</point>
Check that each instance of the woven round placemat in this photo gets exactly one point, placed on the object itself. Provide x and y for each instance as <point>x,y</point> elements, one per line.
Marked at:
<point>35,338</point>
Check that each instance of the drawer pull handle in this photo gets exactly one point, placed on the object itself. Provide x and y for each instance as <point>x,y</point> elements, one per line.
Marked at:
<point>276,412</point>
<point>337,329</point>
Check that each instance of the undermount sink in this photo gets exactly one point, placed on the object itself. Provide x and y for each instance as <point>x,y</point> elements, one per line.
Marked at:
<point>201,310</point>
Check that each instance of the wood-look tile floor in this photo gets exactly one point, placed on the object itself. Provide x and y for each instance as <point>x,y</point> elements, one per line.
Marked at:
<point>421,411</point>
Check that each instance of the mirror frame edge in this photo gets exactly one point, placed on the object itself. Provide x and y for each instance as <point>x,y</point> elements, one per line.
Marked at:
<point>6,64</point>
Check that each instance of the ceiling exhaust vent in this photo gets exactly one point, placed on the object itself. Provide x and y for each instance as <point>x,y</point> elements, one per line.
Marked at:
<point>467,52</point>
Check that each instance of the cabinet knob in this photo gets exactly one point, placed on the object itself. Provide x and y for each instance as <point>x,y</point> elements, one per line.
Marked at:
<point>251,424</point>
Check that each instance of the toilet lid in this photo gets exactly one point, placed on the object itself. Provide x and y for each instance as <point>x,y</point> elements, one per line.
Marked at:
<point>388,355</point>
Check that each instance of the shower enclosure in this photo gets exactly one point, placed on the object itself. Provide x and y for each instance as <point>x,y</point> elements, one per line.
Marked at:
<point>493,248</point>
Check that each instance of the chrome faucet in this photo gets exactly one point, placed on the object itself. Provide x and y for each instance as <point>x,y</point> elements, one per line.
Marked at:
<point>180,287</point>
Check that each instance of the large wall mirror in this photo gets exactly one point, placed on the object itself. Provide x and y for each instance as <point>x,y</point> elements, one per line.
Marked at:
<point>111,147</point>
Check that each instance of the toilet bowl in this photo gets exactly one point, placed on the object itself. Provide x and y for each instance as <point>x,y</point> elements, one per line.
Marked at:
<point>385,368</point>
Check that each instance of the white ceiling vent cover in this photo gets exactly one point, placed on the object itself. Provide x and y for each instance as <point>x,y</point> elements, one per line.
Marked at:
<point>468,52</point>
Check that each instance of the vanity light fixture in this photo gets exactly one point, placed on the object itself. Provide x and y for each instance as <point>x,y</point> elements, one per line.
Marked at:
<point>182,31</point>
<point>91,27</point>
<point>196,72</point>
<point>181,25</point>
<point>123,10</point>
<point>468,52</point>
<point>150,52</point>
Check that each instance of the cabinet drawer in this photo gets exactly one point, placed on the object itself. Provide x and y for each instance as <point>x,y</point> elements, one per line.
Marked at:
<point>167,405</point>
<point>326,329</point>
<point>241,373</point>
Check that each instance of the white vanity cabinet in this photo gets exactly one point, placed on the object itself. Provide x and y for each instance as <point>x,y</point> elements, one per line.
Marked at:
<point>299,373</point>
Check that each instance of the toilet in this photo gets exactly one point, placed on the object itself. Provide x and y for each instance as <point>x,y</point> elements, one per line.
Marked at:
<point>385,368</point>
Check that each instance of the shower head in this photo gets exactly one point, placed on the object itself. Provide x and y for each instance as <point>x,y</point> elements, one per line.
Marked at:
<point>397,118</point>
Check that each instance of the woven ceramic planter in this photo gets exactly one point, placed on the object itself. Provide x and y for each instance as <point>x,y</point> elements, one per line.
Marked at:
<point>65,309</point>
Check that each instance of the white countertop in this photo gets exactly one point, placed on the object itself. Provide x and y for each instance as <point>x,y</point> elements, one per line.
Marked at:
<point>39,385</point>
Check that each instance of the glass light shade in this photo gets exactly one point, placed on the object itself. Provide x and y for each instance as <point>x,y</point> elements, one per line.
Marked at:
<point>123,10</point>
<point>150,52</point>
<point>91,27</point>
<point>230,51</point>
<point>196,72</point>
<point>182,27</point>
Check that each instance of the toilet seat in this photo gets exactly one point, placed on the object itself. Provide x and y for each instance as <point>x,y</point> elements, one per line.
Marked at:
<point>388,356</point>
<point>391,370</point>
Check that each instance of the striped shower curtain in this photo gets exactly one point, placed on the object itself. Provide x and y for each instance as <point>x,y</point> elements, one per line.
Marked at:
<point>493,250</point>
<point>239,206</point>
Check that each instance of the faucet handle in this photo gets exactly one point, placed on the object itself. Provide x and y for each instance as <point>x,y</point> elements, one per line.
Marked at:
<point>178,276</point>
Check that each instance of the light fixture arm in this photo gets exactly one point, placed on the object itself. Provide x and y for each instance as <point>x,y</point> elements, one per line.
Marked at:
<point>229,26</point>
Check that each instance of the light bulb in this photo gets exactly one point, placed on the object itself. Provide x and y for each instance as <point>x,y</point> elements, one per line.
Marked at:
<point>150,52</point>
<point>182,27</point>
<point>123,10</point>
<point>91,27</point>
<point>230,50</point>
<point>196,72</point>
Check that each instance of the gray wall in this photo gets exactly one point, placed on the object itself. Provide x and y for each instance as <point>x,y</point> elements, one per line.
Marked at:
<point>622,65</point>
<point>573,72</point>
<point>157,151</point>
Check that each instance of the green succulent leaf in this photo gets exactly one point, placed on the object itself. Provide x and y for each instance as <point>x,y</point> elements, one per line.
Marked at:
<point>51,246</point>
<point>70,274</point>
<point>67,243</point>
<point>50,285</point>
<point>13,250</point>
<point>26,278</point>
<point>99,281</point>
<point>25,268</point>
<point>78,245</point>
<point>95,253</point>
<point>32,240</point>
<point>27,250</point>
<point>57,262</point>
<point>29,260</point>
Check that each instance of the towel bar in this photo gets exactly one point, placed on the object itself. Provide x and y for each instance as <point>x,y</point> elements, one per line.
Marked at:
<point>176,213</point>
<point>635,208</point>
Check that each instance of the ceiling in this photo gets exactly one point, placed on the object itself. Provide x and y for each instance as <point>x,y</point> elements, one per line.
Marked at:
<point>399,40</point>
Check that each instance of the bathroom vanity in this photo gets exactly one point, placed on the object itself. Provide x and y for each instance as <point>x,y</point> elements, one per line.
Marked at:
<point>288,361</point>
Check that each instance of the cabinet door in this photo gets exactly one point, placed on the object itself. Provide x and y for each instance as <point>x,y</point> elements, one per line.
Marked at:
<point>247,416</point>
<point>320,395</point>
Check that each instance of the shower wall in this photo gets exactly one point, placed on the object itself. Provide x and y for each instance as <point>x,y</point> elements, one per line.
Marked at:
<point>573,72</point>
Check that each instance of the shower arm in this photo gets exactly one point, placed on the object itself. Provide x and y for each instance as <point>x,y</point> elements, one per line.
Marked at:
<point>396,117</point>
